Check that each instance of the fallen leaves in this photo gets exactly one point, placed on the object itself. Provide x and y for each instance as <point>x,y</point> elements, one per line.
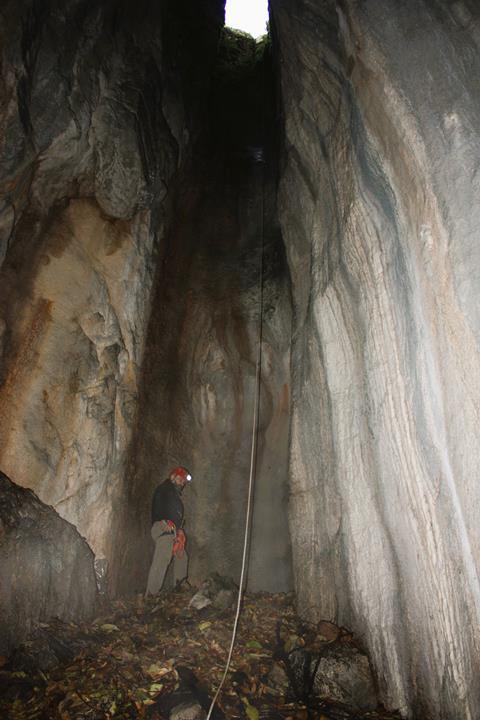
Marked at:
<point>158,670</point>
<point>250,711</point>
<point>108,627</point>
<point>328,631</point>
<point>204,625</point>
<point>125,662</point>
<point>292,642</point>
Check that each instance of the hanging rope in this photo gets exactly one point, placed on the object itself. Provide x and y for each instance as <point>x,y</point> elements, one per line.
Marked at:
<point>258,371</point>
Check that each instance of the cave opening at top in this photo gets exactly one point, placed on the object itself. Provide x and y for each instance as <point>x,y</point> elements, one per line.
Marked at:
<point>251,16</point>
<point>165,184</point>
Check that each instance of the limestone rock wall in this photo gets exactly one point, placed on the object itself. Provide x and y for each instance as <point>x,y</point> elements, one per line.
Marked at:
<point>135,207</point>
<point>199,379</point>
<point>46,568</point>
<point>198,401</point>
<point>380,210</point>
<point>99,102</point>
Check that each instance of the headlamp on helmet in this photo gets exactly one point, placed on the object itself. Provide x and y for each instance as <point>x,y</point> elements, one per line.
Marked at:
<point>181,472</point>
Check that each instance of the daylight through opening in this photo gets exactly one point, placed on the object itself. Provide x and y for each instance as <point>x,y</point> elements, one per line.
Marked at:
<point>251,16</point>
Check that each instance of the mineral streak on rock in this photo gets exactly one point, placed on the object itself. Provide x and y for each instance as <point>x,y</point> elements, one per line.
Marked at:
<point>68,399</point>
<point>129,301</point>
<point>199,380</point>
<point>124,221</point>
<point>380,212</point>
<point>98,103</point>
<point>46,567</point>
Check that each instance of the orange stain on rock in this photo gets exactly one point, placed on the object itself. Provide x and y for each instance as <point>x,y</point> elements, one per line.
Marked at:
<point>22,364</point>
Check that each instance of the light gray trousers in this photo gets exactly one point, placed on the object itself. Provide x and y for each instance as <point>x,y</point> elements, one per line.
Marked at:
<point>162,557</point>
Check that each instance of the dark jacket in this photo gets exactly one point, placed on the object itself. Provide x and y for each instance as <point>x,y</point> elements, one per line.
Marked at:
<point>167,504</point>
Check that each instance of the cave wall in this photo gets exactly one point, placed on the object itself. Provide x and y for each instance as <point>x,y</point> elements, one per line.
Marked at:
<point>100,103</point>
<point>379,207</point>
<point>135,208</point>
<point>129,307</point>
<point>198,387</point>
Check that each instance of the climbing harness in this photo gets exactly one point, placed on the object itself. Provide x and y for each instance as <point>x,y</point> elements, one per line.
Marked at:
<point>252,468</point>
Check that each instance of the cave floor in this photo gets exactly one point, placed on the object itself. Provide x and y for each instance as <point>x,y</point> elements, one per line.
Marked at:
<point>141,657</point>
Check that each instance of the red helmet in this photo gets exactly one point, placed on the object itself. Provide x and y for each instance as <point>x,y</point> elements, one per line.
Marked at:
<point>182,473</point>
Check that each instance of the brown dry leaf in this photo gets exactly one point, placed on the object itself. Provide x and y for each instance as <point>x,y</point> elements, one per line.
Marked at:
<point>329,630</point>
<point>218,649</point>
<point>157,670</point>
<point>301,714</point>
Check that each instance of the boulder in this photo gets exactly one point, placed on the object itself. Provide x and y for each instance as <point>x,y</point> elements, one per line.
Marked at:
<point>278,680</point>
<point>45,648</point>
<point>189,700</point>
<point>343,675</point>
<point>46,567</point>
<point>217,591</point>
<point>188,711</point>
<point>340,673</point>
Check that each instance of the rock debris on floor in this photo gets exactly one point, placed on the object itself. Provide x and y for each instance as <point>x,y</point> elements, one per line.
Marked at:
<point>162,659</point>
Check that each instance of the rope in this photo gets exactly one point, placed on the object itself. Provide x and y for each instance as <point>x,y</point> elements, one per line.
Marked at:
<point>252,472</point>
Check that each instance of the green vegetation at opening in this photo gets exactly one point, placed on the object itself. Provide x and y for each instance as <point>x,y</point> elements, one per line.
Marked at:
<point>239,53</point>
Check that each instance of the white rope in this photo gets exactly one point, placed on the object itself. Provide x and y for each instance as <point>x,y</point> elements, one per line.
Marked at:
<point>250,483</point>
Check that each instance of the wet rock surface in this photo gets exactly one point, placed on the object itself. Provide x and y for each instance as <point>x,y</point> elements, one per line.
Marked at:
<point>379,204</point>
<point>138,230</point>
<point>136,207</point>
<point>98,105</point>
<point>224,250</point>
<point>46,570</point>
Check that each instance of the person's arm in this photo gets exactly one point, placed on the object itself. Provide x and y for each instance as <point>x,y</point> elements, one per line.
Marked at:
<point>159,504</point>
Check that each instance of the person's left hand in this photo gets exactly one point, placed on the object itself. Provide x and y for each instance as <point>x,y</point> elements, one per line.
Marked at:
<point>179,543</point>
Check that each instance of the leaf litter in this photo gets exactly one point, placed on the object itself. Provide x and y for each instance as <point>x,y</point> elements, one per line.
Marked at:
<point>129,661</point>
